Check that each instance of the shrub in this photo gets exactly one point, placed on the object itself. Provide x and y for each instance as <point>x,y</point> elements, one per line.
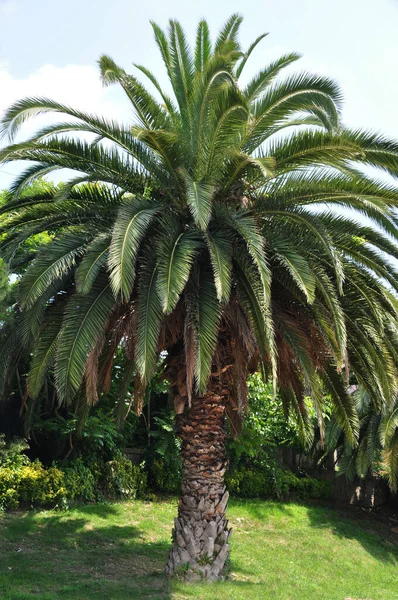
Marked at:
<point>41,486</point>
<point>120,478</point>
<point>32,484</point>
<point>92,479</point>
<point>79,481</point>
<point>165,477</point>
<point>275,483</point>
<point>26,482</point>
<point>13,453</point>
<point>9,494</point>
<point>164,462</point>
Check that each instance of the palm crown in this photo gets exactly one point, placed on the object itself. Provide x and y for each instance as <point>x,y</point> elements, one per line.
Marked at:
<point>207,229</point>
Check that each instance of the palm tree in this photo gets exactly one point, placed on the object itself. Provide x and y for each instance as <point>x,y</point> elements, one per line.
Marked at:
<point>377,446</point>
<point>207,235</point>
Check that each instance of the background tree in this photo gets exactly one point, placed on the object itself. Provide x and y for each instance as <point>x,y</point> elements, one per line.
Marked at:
<point>377,447</point>
<point>208,233</point>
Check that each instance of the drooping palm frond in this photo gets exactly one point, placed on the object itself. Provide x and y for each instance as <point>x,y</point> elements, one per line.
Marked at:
<point>377,447</point>
<point>84,322</point>
<point>128,232</point>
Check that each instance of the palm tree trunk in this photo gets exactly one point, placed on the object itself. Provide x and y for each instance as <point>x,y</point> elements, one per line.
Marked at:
<point>200,535</point>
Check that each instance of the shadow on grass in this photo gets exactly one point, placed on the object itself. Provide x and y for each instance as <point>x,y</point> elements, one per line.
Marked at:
<point>374,537</point>
<point>68,556</point>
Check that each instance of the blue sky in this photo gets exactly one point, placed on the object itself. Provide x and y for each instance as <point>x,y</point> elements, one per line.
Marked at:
<point>50,48</point>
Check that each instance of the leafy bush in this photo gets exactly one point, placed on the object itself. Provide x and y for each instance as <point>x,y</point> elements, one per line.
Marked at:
<point>32,484</point>
<point>91,479</point>
<point>26,482</point>
<point>79,481</point>
<point>97,437</point>
<point>120,477</point>
<point>165,478</point>
<point>275,483</point>
<point>41,486</point>
<point>165,463</point>
<point>264,427</point>
<point>13,454</point>
<point>23,481</point>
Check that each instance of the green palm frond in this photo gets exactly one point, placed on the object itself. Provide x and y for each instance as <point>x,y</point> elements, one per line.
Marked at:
<point>220,248</point>
<point>247,54</point>
<point>227,40</point>
<point>10,354</point>
<point>149,317</point>
<point>133,219</point>
<point>199,197</point>
<point>345,412</point>
<point>203,46</point>
<point>44,350</point>
<point>84,322</point>
<point>182,66</point>
<point>247,228</point>
<point>260,82</point>
<point>205,313</point>
<point>391,459</point>
<point>150,114</point>
<point>254,304</point>
<point>176,250</point>
<point>95,259</point>
<point>302,273</point>
<point>51,265</point>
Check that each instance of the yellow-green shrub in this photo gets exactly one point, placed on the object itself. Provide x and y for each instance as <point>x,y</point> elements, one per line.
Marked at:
<point>23,482</point>
<point>32,484</point>
<point>40,486</point>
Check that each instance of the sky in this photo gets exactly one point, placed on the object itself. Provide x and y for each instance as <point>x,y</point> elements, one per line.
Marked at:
<point>50,48</point>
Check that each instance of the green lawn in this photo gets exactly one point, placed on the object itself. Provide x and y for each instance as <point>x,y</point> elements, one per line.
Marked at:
<point>117,552</point>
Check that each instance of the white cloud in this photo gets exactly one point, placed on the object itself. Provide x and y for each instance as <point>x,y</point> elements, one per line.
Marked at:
<point>78,86</point>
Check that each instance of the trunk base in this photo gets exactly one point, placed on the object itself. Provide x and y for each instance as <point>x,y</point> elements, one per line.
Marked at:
<point>200,537</point>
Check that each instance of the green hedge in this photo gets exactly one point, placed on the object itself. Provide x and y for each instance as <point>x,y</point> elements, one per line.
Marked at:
<point>263,482</point>
<point>23,482</point>
<point>275,483</point>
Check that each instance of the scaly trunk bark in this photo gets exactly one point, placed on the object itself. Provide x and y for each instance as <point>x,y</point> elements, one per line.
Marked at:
<point>200,535</point>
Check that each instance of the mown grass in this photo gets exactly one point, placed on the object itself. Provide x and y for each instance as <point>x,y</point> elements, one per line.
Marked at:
<point>118,551</point>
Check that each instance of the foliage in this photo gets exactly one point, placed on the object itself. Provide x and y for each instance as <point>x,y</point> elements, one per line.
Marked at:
<point>165,478</point>
<point>31,484</point>
<point>91,479</point>
<point>253,471</point>
<point>28,248</point>
<point>4,288</point>
<point>23,482</point>
<point>120,478</point>
<point>165,466</point>
<point>12,454</point>
<point>97,436</point>
<point>264,426</point>
<point>377,448</point>
<point>275,482</point>
<point>79,481</point>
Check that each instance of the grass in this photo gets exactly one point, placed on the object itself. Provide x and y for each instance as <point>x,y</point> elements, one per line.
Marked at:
<point>118,551</point>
